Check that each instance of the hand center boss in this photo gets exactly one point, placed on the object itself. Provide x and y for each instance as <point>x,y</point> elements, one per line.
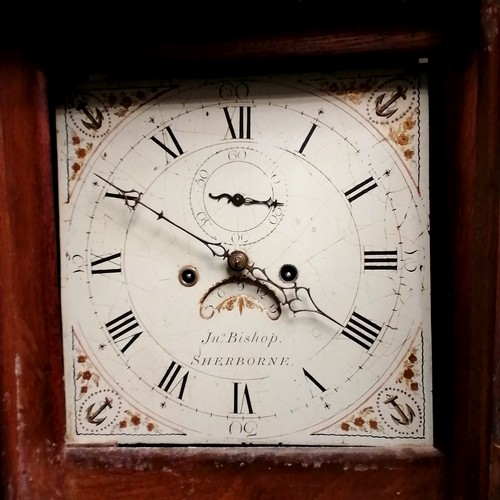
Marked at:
<point>237,260</point>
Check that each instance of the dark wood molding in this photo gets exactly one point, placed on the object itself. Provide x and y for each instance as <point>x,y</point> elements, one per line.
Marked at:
<point>255,473</point>
<point>31,370</point>
<point>473,170</point>
<point>488,189</point>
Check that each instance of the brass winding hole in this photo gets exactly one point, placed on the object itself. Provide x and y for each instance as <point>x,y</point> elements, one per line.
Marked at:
<point>188,276</point>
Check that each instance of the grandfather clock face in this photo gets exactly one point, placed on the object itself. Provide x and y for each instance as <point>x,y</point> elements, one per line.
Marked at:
<point>247,261</point>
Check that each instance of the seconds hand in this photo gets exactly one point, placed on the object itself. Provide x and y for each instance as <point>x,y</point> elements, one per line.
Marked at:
<point>237,260</point>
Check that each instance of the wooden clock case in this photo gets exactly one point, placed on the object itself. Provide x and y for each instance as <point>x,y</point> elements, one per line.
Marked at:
<point>39,60</point>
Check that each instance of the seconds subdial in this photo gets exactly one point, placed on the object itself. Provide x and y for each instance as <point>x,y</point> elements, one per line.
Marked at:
<point>222,210</point>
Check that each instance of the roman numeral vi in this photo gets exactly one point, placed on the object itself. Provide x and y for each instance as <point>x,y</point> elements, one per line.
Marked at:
<point>241,401</point>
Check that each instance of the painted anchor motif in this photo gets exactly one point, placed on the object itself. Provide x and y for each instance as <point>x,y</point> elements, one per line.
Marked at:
<point>92,417</point>
<point>406,418</point>
<point>382,108</point>
<point>95,121</point>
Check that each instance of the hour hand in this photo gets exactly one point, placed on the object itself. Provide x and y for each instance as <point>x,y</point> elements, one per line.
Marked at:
<point>238,200</point>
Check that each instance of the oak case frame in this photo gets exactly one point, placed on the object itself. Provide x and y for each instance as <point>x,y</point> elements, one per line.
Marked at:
<point>465,83</point>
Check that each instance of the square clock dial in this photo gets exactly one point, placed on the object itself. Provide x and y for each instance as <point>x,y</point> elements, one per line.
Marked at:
<point>246,261</point>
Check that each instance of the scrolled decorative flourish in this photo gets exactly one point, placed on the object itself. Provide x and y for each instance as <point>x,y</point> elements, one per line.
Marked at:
<point>227,295</point>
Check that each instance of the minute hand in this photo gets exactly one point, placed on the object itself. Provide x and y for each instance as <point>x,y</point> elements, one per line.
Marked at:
<point>133,198</point>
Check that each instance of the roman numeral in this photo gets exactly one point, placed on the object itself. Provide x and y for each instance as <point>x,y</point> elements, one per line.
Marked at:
<point>306,140</point>
<point>381,260</point>
<point>314,381</point>
<point>360,189</point>
<point>96,265</point>
<point>124,329</point>
<point>361,330</point>
<point>172,153</point>
<point>244,121</point>
<point>240,402</point>
<point>173,381</point>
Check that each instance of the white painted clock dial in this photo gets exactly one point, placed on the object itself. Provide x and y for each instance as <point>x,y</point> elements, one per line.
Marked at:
<point>323,190</point>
